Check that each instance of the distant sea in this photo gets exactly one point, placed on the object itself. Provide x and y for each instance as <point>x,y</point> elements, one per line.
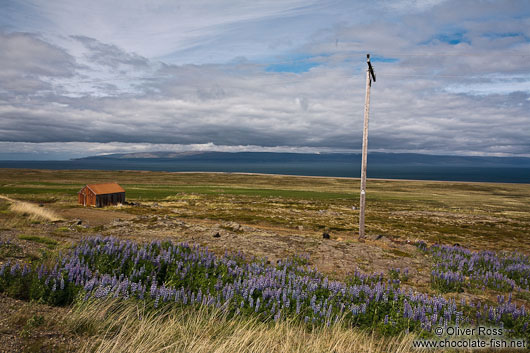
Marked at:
<point>380,165</point>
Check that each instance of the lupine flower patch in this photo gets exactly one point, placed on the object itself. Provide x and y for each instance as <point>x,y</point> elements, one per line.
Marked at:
<point>456,268</point>
<point>165,273</point>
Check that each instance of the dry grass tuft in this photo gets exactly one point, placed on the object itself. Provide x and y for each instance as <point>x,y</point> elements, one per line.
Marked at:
<point>120,326</point>
<point>34,212</point>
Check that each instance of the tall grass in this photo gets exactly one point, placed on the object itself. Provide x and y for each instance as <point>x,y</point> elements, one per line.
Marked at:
<point>35,212</point>
<point>126,326</point>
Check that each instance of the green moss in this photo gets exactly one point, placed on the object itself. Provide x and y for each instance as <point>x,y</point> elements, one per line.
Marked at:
<point>42,240</point>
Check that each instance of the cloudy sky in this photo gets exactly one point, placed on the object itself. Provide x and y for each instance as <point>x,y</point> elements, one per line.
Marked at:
<point>80,78</point>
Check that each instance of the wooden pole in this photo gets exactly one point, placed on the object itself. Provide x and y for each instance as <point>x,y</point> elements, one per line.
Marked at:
<point>369,75</point>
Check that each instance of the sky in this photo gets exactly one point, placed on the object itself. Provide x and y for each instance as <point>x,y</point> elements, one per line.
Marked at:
<point>81,78</point>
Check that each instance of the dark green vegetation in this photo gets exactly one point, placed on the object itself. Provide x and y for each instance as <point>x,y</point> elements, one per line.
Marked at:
<point>478,215</point>
<point>43,240</point>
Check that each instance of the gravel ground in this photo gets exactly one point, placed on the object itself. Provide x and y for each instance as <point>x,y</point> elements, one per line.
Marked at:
<point>32,327</point>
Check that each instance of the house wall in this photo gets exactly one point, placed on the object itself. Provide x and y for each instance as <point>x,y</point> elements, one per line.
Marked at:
<point>91,198</point>
<point>110,199</point>
<point>88,198</point>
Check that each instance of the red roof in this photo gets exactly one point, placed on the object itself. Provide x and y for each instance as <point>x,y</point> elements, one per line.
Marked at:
<point>106,188</point>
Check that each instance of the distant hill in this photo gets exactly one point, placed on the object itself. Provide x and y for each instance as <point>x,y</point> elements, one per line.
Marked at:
<point>380,165</point>
<point>404,159</point>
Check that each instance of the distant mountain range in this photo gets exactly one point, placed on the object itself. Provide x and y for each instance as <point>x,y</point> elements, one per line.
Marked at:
<point>403,159</point>
<point>380,165</point>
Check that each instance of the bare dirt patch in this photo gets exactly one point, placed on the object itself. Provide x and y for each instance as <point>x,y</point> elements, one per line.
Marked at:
<point>336,257</point>
<point>94,217</point>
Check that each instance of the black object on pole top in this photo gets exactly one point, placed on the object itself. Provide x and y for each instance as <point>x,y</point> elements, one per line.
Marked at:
<point>372,73</point>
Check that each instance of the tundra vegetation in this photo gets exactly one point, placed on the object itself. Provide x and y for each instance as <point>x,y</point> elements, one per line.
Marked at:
<point>151,273</point>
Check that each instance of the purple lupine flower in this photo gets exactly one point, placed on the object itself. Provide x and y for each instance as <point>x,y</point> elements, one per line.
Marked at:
<point>154,289</point>
<point>273,288</point>
<point>14,269</point>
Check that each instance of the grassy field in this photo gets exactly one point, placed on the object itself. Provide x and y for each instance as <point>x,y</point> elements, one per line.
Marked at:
<point>478,215</point>
<point>261,215</point>
<point>202,331</point>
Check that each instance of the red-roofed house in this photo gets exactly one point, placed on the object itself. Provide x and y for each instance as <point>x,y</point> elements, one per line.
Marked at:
<point>100,195</point>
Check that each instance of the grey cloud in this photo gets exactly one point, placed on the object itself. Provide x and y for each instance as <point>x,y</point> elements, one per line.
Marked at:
<point>214,92</point>
<point>239,103</point>
<point>402,118</point>
<point>109,54</point>
<point>304,103</point>
<point>24,52</point>
<point>26,61</point>
<point>492,33</point>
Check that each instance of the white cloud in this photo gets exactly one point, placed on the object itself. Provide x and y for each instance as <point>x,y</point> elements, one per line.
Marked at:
<point>157,29</point>
<point>100,86</point>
